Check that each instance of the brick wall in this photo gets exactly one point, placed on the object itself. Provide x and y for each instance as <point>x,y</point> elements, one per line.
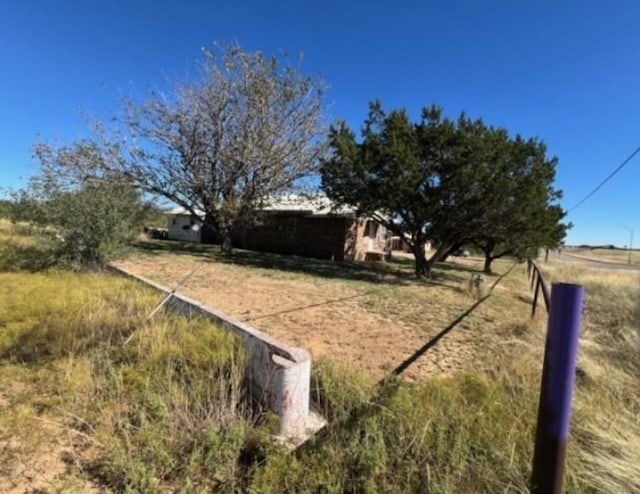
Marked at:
<point>364,243</point>
<point>323,237</point>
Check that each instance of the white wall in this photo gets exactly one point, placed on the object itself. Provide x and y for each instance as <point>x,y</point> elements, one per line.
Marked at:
<point>184,227</point>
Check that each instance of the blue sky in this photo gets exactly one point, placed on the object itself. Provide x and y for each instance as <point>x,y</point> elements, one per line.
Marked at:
<point>566,71</point>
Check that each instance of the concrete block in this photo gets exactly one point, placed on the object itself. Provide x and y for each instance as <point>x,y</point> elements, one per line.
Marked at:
<point>279,375</point>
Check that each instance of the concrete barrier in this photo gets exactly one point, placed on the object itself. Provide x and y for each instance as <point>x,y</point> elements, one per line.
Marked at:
<point>279,375</point>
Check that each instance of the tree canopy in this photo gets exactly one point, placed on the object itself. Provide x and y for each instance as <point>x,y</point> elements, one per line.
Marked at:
<point>450,182</point>
<point>249,128</point>
<point>524,215</point>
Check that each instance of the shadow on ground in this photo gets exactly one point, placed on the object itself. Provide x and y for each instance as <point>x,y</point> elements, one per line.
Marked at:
<point>395,272</point>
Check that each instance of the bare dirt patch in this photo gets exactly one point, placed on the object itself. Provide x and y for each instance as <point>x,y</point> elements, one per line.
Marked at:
<point>36,450</point>
<point>370,324</point>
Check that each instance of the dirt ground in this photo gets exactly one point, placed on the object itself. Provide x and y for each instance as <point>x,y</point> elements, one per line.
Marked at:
<point>369,320</point>
<point>37,458</point>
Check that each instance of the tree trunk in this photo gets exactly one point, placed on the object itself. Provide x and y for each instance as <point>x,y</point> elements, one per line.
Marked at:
<point>439,254</point>
<point>487,264</point>
<point>210,229</point>
<point>226,245</point>
<point>450,252</point>
<point>488,257</point>
<point>421,260</point>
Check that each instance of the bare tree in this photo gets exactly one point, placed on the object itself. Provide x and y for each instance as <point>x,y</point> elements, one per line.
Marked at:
<point>249,128</point>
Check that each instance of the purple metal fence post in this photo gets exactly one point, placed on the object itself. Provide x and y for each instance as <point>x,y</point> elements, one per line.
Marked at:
<point>556,392</point>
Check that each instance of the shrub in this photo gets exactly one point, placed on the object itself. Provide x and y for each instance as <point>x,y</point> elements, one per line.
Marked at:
<point>83,227</point>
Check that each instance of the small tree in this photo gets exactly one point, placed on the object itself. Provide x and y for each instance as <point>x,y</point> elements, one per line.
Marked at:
<point>521,214</point>
<point>248,129</point>
<point>5,208</point>
<point>85,226</point>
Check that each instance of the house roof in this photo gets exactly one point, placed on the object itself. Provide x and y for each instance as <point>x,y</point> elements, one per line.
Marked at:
<point>315,205</point>
<point>179,210</point>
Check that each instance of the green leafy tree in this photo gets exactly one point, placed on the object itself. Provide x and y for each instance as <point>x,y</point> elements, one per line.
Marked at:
<point>86,226</point>
<point>418,179</point>
<point>521,213</point>
<point>465,178</point>
<point>451,182</point>
<point>389,175</point>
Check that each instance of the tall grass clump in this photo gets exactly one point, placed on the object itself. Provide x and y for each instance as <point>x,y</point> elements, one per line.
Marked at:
<point>606,428</point>
<point>457,434</point>
<point>20,249</point>
<point>165,412</point>
<point>170,409</point>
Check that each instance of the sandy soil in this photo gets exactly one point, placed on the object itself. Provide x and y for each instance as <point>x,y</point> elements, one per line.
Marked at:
<point>371,326</point>
<point>36,456</point>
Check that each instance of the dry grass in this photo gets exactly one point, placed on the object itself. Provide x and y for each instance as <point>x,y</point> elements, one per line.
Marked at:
<point>498,348</point>
<point>606,425</point>
<point>78,405</point>
<point>473,432</point>
<point>619,256</point>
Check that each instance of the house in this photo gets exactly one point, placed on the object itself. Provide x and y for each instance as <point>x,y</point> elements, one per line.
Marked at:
<point>183,226</point>
<point>297,225</point>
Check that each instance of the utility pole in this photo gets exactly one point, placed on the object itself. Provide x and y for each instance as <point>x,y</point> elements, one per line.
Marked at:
<point>630,230</point>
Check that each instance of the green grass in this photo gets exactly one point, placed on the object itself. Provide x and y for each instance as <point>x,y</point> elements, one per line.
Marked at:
<point>166,412</point>
<point>436,437</point>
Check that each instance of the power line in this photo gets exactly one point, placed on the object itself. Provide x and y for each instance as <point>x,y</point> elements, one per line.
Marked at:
<point>609,177</point>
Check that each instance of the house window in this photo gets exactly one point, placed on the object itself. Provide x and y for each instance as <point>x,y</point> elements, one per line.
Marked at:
<point>371,235</point>
<point>371,229</point>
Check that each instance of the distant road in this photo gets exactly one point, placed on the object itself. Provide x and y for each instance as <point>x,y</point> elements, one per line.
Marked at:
<point>594,263</point>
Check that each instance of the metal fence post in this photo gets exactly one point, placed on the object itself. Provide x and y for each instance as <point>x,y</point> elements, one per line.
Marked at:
<point>556,393</point>
<point>535,297</point>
